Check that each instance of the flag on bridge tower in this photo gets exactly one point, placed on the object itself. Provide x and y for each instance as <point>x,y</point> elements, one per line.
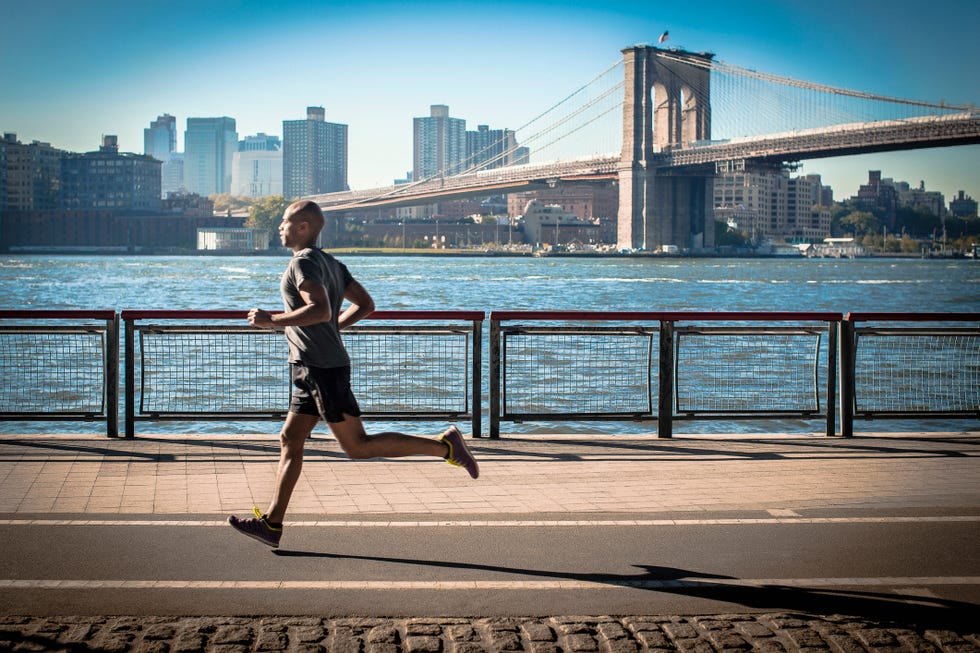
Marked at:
<point>663,37</point>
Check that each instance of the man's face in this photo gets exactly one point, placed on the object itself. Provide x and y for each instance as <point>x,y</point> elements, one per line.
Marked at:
<point>289,230</point>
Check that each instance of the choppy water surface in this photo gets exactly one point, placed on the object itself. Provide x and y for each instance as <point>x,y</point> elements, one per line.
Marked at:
<point>503,283</point>
<point>469,283</point>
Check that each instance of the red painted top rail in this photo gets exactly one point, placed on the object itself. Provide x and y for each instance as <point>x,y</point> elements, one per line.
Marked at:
<point>243,315</point>
<point>913,317</point>
<point>667,316</point>
<point>29,314</point>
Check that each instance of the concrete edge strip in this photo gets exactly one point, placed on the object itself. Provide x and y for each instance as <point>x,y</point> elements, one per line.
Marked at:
<point>509,523</point>
<point>534,585</point>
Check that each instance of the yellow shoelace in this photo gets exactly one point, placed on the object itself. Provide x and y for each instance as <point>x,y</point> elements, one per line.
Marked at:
<point>261,517</point>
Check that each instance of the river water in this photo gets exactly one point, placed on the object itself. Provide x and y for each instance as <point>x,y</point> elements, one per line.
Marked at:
<point>494,283</point>
<point>500,283</point>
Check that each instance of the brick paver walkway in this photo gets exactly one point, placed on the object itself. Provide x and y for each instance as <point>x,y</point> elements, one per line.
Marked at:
<point>217,476</point>
<point>88,476</point>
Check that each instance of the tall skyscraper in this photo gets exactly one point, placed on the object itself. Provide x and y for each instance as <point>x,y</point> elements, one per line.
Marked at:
<point>439,144</point>
<point>160,138</point>
<point>493,148</point>
<point>160,142</point>
<point>257,167</point>
<point>314,155</point>
<point>209,147</point>
<point>172,174</point>
<point>261,142</point>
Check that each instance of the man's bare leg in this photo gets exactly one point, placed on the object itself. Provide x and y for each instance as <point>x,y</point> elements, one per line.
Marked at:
<point>357,444</point>
<point>292,440</point>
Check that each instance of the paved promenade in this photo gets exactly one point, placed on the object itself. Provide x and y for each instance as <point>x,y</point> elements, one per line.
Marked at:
<point>708,481</point>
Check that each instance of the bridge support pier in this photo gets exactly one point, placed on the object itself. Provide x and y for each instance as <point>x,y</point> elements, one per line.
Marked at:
<point>658,209</point>
<point>666,106</point>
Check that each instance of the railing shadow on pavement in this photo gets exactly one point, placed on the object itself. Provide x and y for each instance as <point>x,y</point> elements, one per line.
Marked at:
<point>931,612</point>
<point>149,449</point>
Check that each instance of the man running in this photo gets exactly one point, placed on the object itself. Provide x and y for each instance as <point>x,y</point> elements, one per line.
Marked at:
<point>313,289</point>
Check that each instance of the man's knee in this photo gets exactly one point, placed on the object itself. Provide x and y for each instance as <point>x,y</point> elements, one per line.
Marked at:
<point>353,439</point>
<point>293,436</point>
<point>358,448</point>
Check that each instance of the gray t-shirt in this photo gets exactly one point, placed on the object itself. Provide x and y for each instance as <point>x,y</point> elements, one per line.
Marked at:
<point>318,345</point>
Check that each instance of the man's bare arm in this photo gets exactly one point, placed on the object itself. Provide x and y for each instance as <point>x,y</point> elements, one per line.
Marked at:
<point>361,305</point>
<point>315,309</point>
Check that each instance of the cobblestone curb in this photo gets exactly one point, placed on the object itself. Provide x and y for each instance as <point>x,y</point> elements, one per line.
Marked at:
<point>708,634</point>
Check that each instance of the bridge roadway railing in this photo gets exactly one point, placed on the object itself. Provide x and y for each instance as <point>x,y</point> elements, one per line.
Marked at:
<point>959,128</point>
<point>910,366</point>
<point>584,166</point>
<point>556,366</point>
<point>60,366</point>
<point>203,365</point>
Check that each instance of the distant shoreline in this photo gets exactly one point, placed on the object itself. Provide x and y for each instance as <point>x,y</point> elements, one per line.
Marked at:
<point>457,253</point>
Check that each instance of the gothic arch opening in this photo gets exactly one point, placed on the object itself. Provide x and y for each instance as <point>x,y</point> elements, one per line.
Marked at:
<point>663,123</point>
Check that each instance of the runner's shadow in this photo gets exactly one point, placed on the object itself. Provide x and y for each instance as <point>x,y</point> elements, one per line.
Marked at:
<point>926,612</point>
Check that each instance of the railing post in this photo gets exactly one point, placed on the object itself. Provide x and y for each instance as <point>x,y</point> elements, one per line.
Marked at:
<point>477,382</point>
<point>494,377</point>
<point>112,377</point>
<point>833,333</point>
<point>847,374</point>
<point>130,399</point>
<point>665,401</point>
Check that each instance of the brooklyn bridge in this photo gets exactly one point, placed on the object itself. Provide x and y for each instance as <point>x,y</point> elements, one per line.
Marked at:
<point>664,152</point>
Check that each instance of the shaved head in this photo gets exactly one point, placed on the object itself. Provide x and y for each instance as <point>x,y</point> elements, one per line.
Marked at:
<point>307,211</point>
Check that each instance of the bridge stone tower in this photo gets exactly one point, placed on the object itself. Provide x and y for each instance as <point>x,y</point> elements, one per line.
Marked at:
<point>666,107</point>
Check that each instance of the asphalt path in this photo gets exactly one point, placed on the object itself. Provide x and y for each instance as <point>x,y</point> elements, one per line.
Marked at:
<point>921,564</point>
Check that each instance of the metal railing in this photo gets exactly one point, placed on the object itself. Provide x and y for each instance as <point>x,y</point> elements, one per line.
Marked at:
<point>544,366</point>
<point>60,366</point>
<point>204,365</point>
<point>909,366</point>
<point>663,365</point>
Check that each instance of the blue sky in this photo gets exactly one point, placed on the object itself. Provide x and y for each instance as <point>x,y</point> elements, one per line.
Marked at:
<point>75,70</point>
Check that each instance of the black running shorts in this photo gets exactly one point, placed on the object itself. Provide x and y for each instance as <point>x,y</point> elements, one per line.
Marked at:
<point>322,391</point>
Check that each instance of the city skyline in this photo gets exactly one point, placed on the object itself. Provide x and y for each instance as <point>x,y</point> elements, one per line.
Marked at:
<point>113,67</point>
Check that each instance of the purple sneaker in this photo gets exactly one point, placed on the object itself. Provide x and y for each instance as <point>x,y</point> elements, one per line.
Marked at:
<point>459,453</point>
<point>257,528</point>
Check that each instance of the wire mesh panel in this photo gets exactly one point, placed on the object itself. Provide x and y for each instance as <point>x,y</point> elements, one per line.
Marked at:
<point>203,370</point>
<point>53,371</point>
<point>915,372</point>
<point>748,371</point>
<point>410,371</point>
<point>574,372</point>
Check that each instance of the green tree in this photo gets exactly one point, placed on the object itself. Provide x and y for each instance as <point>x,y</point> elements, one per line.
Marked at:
<point>860,223</point>
<point>225,202</point>
<point>837,212</point>
<point>728,237</point>
<point>917,221</point>
<point>957,227</point>
<point>266,214</point>
<point>909,244</point>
